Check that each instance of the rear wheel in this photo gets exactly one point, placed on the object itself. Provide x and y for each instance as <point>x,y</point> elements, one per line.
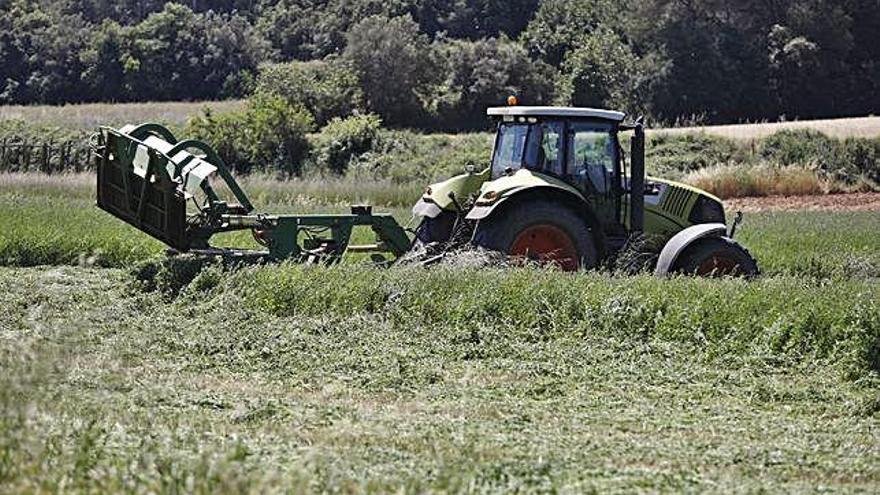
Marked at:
<point>716,257</point>
<point>544,232</point>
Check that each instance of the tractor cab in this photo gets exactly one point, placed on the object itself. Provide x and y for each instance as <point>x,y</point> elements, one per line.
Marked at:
<point>578,146</point>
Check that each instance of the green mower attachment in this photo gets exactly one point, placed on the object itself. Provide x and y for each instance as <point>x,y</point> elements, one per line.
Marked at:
<point>147,178</point>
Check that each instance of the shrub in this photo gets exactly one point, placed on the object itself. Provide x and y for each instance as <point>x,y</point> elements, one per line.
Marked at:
<point>269,135</point>
<point>860,159</point>
<point>407,156</point>
<point>673,155</point>
<point>344,140</point>
<point>799,147</point>
<point>848,161</point>
<point>327,88</point>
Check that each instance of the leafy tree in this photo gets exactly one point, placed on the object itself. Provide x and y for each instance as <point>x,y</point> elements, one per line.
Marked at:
<point>474,19</point>
<point>394,65</point>
<point>484,73</point>
<point>40,54</point>
<point>177,52</point>
<point>709,59</point>
<point>104,73</point>
<point>560,26</point>
<point>602,72</point>
<point>327,88</point>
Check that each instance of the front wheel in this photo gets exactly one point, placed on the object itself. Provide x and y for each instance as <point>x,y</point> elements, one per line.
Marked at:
<point>715,257</point>
<point>545,232</point>
<point>435,230</point>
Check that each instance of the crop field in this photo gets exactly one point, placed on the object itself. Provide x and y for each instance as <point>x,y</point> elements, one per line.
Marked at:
<point>452,379</point>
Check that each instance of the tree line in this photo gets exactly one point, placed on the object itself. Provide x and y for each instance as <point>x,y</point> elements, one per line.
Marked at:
<point>439,63</point>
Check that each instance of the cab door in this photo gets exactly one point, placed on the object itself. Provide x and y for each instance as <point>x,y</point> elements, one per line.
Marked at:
<point>592,166</point>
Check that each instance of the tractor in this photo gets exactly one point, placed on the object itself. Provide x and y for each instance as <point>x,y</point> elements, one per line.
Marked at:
<point>557,191</point>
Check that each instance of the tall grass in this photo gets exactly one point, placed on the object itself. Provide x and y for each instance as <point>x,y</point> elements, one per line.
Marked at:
<point>839,322</point>
<point>738,181</point>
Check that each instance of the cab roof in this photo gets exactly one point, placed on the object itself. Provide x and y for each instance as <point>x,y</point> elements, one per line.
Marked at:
<point>518,111</point>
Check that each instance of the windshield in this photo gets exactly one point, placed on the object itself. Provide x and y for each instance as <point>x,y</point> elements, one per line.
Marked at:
<point>535,146</point>
<point>510,147</point>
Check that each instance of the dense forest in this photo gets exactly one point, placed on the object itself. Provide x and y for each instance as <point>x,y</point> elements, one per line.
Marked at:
<point>438,63</point>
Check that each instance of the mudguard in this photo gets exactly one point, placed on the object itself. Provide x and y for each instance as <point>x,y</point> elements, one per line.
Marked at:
<point>438,197</point>
<point>680,241</point>
<point>496,192</point>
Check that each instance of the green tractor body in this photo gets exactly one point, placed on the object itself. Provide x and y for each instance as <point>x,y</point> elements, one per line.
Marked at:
<point>557,188</point>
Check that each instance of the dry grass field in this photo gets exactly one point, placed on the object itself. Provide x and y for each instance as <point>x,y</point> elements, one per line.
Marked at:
<point>865,127</point>
<point>92,115</point>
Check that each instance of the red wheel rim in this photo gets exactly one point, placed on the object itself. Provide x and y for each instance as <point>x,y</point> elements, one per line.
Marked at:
<point>717,265</point>
<point>548,244</point>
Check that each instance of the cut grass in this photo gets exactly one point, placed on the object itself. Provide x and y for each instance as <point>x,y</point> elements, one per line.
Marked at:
<point>360,380</point>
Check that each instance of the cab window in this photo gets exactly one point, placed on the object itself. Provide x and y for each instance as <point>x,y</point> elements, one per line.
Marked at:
<point>535,146</point>
<point>591,156</point>
<point>509,148</point>
<point>544,148</point>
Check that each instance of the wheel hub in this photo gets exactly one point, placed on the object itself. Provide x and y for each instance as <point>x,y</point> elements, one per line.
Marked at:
<point>547,244</point>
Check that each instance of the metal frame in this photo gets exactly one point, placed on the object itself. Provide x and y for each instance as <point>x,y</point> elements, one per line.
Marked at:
<point>152,198</point>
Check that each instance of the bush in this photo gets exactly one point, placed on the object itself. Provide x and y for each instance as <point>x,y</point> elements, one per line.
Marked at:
<point>327,88</point>
<point>673,155</point>
<point>269,135</point>
<point>849,161</point>
<point>344,140</point>
<point>860,158</point>
<point>799,147</point>
<point>409,157</point>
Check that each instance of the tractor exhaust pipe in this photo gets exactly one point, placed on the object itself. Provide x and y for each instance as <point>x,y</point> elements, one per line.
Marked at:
<point>637,179</point>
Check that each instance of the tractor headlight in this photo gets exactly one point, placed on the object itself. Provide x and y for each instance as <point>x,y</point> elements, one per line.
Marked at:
<point>707,210</point>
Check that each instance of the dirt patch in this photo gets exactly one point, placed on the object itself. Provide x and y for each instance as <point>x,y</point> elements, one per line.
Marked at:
<point>830,202</point>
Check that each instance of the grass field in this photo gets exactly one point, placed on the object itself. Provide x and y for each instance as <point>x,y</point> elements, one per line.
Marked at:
<point>858,127</point>
<point>358,379</point>
<point>91,115</point>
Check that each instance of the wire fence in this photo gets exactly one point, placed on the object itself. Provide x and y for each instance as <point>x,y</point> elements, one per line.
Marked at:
<point>22,155</point>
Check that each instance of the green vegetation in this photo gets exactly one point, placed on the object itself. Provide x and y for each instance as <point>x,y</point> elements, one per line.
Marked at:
<point>818,245</point>
<point>176,375</point>
<point>720,61</point>
<point>357,379</point>
<point>268,135</point>
<point>272,135</point>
